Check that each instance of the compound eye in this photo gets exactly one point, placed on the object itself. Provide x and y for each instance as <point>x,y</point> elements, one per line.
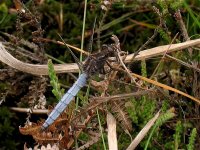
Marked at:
<point>107,47</point>
<point>104,46</point>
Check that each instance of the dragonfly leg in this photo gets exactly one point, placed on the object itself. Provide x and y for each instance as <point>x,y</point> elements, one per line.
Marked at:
<point>117,67</point>
<point>111,67</point>
<point>123,54</point>
<point>102,71</point>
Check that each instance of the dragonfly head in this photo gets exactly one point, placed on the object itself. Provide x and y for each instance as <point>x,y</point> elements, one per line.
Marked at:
<point>108,50</point>
<point>112,49</point>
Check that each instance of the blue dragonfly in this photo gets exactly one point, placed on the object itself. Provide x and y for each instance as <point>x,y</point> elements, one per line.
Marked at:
<point>94,64</point>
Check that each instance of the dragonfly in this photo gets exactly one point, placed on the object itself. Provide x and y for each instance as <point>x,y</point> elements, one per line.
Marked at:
<point>94,64</point>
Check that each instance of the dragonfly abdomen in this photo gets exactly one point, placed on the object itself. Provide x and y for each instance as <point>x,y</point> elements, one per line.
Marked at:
<point>66,99</point>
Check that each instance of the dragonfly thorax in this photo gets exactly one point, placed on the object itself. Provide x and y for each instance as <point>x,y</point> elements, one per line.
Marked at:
<point>94,64</point>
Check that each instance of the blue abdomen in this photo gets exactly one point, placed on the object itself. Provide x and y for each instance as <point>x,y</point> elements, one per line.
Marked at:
<point>66,99</point>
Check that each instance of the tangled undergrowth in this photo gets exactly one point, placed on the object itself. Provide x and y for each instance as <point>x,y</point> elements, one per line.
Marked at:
<point>30,31</point>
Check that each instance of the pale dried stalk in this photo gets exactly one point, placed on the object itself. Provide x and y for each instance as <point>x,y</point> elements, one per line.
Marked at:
<point>112,134</point>
<point>143,133</point>
<point>28,110</point>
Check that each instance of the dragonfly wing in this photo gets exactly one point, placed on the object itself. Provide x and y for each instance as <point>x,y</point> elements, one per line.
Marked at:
<point>66,99</point>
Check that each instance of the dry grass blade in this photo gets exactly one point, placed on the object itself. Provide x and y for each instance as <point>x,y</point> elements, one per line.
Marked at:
<point>166,87</point>
<point>143,132</point>
<point>112,135</point>
<point>8,59</point>
<point>183,63</point>
<point>77,49</point>
<point>27,110</point>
